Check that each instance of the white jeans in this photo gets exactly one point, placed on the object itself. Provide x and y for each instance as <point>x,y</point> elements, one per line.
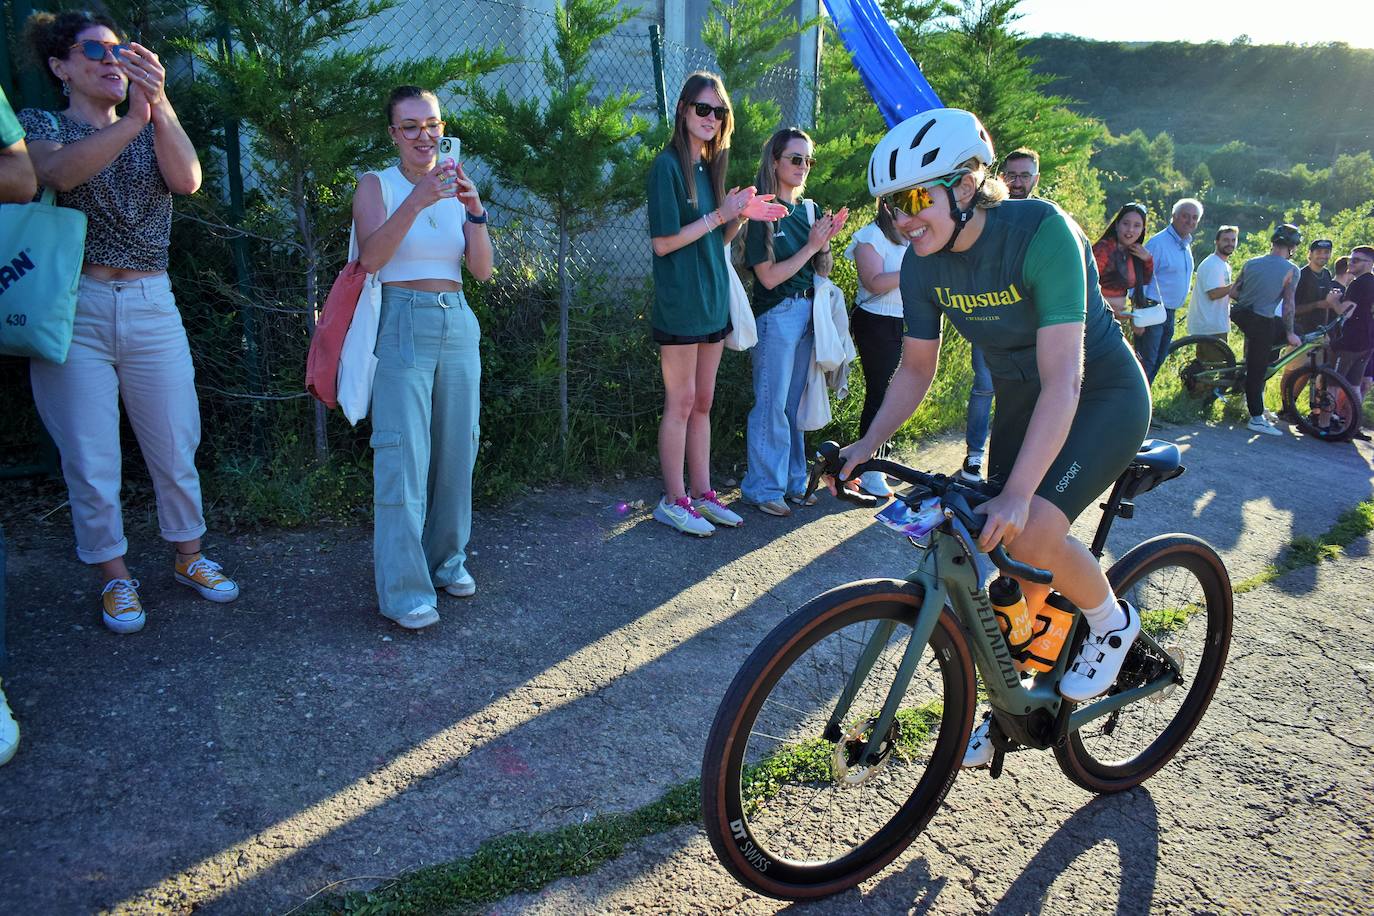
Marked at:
<point>127,342</point>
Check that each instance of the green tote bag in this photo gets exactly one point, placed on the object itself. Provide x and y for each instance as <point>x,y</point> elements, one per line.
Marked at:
<point>41,249</point>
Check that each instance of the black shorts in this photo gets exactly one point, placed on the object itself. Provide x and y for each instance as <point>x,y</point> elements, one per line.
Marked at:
<point>664,339</point>
<point>1112,419</point>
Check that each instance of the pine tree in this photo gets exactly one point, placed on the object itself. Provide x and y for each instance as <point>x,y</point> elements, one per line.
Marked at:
<point>584,159</point>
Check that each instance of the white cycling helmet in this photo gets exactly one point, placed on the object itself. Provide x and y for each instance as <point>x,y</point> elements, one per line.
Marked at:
<point>930,145</point>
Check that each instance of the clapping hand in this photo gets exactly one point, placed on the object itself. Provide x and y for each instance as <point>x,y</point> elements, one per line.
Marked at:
<point>147,76</point>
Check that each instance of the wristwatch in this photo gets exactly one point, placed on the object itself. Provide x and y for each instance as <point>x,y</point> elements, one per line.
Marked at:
<point>479,220</point>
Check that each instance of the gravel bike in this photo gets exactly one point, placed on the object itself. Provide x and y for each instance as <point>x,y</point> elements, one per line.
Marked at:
<point>838,739</point>
<point>1323,404</point>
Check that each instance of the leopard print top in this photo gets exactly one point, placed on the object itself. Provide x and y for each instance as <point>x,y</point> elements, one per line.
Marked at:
<point>127,205</point>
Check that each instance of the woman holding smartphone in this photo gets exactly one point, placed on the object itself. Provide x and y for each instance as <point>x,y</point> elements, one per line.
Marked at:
<point>128,342</point>
<point>786,257</point>
<point>418,223</point>
<point>690,223</point>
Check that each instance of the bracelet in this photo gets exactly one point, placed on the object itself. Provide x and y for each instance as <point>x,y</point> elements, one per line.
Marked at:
<point>711,220</point>
<point>479,220</point>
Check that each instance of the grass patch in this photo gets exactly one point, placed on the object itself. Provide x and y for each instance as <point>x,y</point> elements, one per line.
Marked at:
<point>525,862</point>
<point>1353,524</point>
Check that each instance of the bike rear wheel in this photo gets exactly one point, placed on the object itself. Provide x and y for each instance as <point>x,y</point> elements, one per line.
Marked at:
<point>1183,593</point>
<point>1199,358</point>
<point>794,815</point>
<point>1313,395</point>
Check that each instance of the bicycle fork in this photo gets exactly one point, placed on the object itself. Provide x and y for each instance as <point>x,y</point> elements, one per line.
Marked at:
<point>932,604</point>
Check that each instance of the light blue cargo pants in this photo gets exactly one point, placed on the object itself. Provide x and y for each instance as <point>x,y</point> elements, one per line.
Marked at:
<point>424,440</point>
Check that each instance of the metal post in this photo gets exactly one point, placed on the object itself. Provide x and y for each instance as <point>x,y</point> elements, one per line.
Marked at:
<point>660,83</point>
<point>239,245</point>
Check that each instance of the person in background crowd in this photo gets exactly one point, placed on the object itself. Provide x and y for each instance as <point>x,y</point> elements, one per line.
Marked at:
<point>128,342</point>
<point>1125,268</point>
<point>1318,300</point>
<point>17,185</point>
<point>877,251</point>
<point>1173,254</point>
<point>416,237</point>
<point>1354,342</point>
<point>1021,173</point>
<point>1263,281</point>
<point>785,256</point>
<point>690,223</point>
<point>1209,305</point>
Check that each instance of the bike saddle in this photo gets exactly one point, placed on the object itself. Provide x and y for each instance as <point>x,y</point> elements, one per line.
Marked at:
<point>1155,462</point>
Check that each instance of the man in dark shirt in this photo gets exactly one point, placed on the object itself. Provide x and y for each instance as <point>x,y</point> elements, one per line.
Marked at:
<point>1315,303</point>
<point>1354,342</point>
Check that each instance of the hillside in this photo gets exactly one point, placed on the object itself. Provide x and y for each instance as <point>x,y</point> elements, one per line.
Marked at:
<point>1298,104</point>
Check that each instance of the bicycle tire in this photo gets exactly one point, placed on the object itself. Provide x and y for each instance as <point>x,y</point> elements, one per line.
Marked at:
<point>1306,393</point>
<point>1153,576</point>
<point>742,837</point>
<point>1199,354</point>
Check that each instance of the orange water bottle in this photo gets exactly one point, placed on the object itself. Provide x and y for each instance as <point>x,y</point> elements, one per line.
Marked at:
<point>1012,615</point>
<point>1053,623</point>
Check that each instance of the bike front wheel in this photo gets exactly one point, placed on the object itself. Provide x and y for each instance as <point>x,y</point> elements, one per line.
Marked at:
<point>1182,591</point>
<point>790,810</point>
<point>1320,395</point>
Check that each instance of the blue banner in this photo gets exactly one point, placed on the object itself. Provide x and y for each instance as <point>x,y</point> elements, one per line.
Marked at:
<point>892,77</point>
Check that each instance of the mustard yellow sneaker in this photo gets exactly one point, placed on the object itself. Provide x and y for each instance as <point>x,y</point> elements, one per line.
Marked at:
<point>203,574</point>
<point>120,608</point>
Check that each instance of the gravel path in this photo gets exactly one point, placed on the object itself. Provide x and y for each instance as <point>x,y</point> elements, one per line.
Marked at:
<point>237,759</point>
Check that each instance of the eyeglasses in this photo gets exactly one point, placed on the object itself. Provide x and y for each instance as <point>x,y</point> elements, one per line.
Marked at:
<point>703,109</point>
<point>96,50</point>
<point>800,161</point>
<point>1019,176</point>
<point>911,201</point>
<point>410,130</point>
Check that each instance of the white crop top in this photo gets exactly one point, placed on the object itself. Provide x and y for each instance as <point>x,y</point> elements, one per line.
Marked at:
<point>433,248</point>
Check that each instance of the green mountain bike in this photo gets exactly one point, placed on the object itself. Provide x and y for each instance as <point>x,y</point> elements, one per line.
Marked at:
<point>1321,402</point>
<point>838,739</point>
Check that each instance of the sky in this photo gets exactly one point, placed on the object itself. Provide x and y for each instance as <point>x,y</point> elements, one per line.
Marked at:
<point>1265,21</point>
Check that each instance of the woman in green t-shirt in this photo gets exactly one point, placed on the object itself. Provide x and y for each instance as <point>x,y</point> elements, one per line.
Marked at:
<point>1018,279</point>
<point>690,224</point>
<point>786,256</point>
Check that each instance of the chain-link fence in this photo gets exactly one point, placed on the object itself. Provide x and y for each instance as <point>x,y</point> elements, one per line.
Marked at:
<point>243,277</point>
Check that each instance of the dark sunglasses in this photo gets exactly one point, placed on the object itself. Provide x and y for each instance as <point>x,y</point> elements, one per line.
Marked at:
<point>96,50</point>
<point>799,161</point>
<point>703,109</point>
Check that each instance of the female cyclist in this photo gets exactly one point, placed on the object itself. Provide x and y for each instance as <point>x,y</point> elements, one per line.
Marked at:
<point>1018,279</point>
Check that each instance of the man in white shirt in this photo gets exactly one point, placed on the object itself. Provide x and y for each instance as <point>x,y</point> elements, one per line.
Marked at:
<point>1209,307</point>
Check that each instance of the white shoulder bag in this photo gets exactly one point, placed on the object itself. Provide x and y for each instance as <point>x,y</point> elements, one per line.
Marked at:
<point>357,364</point>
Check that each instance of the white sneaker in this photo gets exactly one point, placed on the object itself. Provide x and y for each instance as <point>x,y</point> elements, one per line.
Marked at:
<point>979,752</point>
<point>713,510</point>
<point>1099,660</point>
<point>464,587</point>
<point>874,483</point>
<point>972,471</point>
<point>1262,425</point>
<point>682,516</point>
<point>418,619</point>
<point>9,731</point>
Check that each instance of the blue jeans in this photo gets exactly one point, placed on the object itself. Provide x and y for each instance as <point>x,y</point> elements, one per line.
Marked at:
<point>1147,346</point>
<point>979,406</point>
<point>424,440</point>
<point>781,360</point>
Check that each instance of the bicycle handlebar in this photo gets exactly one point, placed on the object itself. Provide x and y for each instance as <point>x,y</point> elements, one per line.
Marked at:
<point>954,494</point>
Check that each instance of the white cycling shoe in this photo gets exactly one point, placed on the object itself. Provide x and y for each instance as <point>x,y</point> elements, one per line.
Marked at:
<point>1099,660</point>
<point>979,752</point>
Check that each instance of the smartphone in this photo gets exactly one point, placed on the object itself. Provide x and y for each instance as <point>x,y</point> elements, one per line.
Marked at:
<point>450,150</point>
